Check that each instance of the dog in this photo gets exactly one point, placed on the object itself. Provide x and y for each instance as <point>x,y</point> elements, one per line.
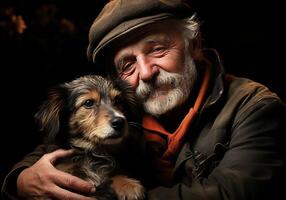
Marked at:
<point>100,119</point>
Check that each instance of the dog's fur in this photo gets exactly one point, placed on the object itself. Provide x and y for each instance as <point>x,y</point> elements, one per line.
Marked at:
<point>101,120</point>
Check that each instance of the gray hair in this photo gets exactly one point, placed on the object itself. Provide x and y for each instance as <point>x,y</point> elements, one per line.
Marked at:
<point>191,32</point>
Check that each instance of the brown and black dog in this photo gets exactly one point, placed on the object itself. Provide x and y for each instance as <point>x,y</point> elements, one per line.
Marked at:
<point>101,120</point>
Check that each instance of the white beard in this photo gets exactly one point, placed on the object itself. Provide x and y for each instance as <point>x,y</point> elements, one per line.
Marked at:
<point>168,90</point>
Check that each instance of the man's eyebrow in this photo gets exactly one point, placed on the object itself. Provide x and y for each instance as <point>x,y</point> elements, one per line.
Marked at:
<point>152,41</point>
<point>157,40</point>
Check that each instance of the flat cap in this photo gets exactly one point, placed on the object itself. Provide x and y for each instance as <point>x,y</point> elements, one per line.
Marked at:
<point>119,17</point>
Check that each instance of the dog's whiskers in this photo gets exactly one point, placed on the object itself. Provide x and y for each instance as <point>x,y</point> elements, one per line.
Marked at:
<point>135,124</point>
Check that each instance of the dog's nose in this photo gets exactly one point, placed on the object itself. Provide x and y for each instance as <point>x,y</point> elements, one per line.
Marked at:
<point>118,123</point>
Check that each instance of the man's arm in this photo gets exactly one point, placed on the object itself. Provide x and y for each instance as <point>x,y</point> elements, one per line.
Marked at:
<point>35,177</point>
<point>9,187</point>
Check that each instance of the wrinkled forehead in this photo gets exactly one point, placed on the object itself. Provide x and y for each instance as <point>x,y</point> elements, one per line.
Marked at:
<point>153,32</point>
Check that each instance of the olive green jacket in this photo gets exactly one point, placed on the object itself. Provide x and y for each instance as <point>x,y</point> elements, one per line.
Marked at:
<point>235,148</point>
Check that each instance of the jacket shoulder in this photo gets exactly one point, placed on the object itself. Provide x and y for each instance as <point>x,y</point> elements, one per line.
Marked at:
<point>247,89</point>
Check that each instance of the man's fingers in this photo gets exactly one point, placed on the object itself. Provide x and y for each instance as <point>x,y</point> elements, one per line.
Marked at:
<point>59,153</point>
<point>70,182</point>
<point>66,180</point>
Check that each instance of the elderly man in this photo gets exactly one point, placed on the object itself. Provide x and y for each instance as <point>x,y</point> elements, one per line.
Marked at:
<point>209,135</point>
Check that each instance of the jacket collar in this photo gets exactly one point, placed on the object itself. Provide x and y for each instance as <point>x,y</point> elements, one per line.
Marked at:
<point>216,89</point>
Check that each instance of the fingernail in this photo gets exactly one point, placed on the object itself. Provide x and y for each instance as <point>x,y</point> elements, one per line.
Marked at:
<point>92,190</point>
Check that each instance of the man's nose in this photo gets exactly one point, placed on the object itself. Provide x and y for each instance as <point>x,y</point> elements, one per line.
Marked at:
<point>147,68</point>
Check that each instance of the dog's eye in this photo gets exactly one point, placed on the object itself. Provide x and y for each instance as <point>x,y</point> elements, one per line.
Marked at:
<point>88,103</point>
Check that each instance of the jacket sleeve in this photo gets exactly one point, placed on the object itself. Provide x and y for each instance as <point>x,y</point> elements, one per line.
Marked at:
<point>9,190</point>
<point>253,165</point>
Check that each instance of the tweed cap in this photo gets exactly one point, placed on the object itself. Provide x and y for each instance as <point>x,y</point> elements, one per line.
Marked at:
<point>120,17</point>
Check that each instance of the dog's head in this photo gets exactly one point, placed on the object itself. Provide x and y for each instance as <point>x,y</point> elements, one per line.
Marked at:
<point>89,112</point>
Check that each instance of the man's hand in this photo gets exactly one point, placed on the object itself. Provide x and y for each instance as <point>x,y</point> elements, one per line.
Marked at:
<point>43,181</point>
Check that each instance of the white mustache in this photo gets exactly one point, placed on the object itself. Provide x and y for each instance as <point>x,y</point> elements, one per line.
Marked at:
<point>164,78</point>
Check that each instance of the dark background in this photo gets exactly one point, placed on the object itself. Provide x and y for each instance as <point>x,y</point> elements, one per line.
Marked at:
<point>247,34</point>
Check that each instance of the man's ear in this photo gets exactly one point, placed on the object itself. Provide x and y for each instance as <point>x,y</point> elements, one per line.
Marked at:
<point>196,55</point>
<point>195,48</point>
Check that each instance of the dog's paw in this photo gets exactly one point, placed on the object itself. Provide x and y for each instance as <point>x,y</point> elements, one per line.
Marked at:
<point>128,188</point>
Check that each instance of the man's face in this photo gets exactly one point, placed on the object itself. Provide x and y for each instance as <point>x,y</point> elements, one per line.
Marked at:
<point>159,67</point>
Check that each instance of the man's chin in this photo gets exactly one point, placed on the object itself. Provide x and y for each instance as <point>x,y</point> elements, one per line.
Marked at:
<point>159,105</point>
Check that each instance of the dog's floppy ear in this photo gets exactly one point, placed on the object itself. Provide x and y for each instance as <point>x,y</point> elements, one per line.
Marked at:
<point>49,113</point>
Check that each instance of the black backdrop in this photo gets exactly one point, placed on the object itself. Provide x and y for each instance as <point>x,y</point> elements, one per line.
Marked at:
<point>247,34</point>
